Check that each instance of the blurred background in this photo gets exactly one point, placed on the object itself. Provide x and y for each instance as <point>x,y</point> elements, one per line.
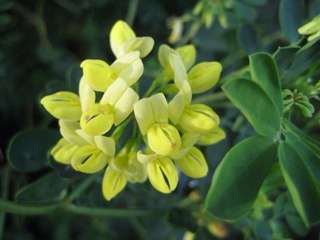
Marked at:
<point>42,45</point>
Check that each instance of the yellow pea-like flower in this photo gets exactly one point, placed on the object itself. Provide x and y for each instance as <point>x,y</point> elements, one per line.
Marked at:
<point>163,139</point>
<point>62,152</point>
<point>63,105</point>
<point>123,40</point>
<point>193,164</point>
<point>199,118</point>
<point>204,76</point>
<point>163,174</point>
<point>188,55</point>
<point>89,159</point>
<point>98,74</point>
<point>98,120</point>
<point>113,183</point>
<point>311,28</point>
<point>215,135</point>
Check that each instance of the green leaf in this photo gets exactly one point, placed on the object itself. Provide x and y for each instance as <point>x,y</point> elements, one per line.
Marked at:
<point>239,176</point>
<point>265,73</point>
<point>311,143</point>
<point>296,224</point>
<point>254,103</point>
<point>283,58</point>
<point>247,38</point>
<point>49,189</point>
<point>305,58</point>
<point>291,17</point>
<point>255,2</point>
<point>244,11</point>
<point>28,150</point>
<point>309,158</point>
<point>304,191</point>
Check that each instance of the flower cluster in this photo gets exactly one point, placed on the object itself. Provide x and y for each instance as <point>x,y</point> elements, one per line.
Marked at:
<point>171,126</point>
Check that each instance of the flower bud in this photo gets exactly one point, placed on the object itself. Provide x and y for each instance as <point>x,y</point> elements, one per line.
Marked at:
<point>163,139</point>
<point>63,105</point>
<point>204,76</point>
<point>198,118</point>
<point>311,28</point>
<point>193,164</point>
<point>119,34</point>
<point>214,136</point>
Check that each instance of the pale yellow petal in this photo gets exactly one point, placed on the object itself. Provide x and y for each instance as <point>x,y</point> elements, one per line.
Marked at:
<point>159,107</point>
<point>163,139</point>
<point>63,105</point>
<point>204,76</point>
<point>106,145</point>
<point>142,44</point>
<point>124,106</point>
<point>193,164</point>
<point>145,158</point>
<point>98,120</point>
<point>87,95</point>
<point>163,175</point>
<point>199,118</point>
<point>215,135</point>
<point>62,152</point>
<point>188,55</point>
<point>98,74</point>
<point>120,33</point>
<point>114,92</point>
<point>68,131</point>
<point>129,67</point>
<point>113,183</point>
<point>143,114</point>
<point>89,159</point>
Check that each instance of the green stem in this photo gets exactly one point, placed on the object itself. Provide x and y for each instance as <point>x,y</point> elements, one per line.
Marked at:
<point>156,82</point>
<point>108,212</point>
<point>82,186</point>
<point>132,10</point>
<point>4,195</point>
<point>15,208</point>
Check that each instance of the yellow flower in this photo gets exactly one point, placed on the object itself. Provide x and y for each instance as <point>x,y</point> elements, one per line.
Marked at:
<point>213,136</point>
<point>124,168</point>
<point>204,76</point>
<point>187,55</point>
<point>161,171</point>
<point>63,105</point>
<point>123,40</point>
<point>85,153</point>
<point>113,183</point>
<point>99,75</point>
<point>152,117</point>
<point>195,118</point>
<point>199,118</point>
<point>114,107</point>
<point>189,158</point>
<point>311,28</point>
